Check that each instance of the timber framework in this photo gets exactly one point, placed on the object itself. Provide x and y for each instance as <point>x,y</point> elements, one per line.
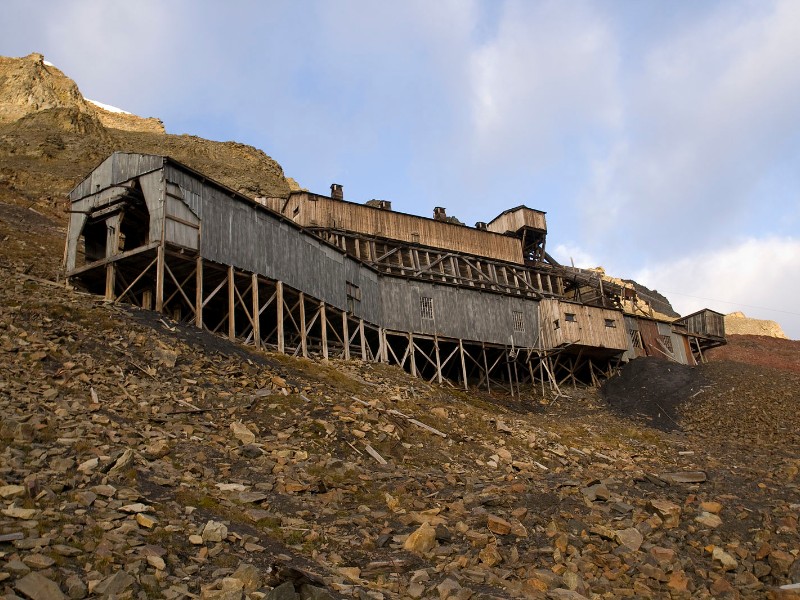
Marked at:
<point>482,306</point>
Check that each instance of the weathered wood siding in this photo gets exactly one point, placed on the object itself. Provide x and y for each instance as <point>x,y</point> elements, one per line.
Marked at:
<point>587,327</point>
<point>457,313</point>
<point>116,169</point>
<point>517,218</point>
<point>310,210</point>
<point>705,323</point>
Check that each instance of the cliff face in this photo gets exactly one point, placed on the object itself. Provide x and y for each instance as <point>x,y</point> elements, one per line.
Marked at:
<point>51,136</point>
<point>737,323</point>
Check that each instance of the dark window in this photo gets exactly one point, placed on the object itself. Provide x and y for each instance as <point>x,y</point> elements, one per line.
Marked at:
<point>570,318</point>
<point>519,322</point>
<point>426,307</point>
<point>611,323</point>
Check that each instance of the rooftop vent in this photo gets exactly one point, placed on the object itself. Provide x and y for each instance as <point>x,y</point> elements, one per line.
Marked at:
<point>480,225</point>
<point>337,191</point>
<point>440,213</point>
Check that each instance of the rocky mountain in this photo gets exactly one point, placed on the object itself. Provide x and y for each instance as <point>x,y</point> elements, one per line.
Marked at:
<point>51,136</point>
<point>142,458</point>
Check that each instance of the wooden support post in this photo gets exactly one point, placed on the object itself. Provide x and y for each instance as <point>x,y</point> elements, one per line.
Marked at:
<point>323,316</point>
<point>486,367</point>
<point>303,340</point>
<point>346,335</point>
<point>463,364</point>
<point>411,351</point>
<point>438,360</point>
<point>111,281</point>
<point>362,339</point>
<point>279,315</point>
<point>510,380</point>
<point>256,314</point>
<point>198,296</point>
<point>160,280</point>
<point>231,305</point>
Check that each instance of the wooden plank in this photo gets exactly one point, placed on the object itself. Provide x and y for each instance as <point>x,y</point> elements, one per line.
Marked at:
<point>231,305</point>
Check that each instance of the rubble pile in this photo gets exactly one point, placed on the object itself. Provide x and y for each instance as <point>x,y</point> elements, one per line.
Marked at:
<point>140,458</point>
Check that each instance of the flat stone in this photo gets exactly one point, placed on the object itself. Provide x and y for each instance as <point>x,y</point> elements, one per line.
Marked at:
<point>631,538</point>
<point>38,561</point>
<point>498,525</point>
<point>38,587</point>
<point>156,562</point>
<point>114,584</point>
<point>11,491</point>
<point>709,520</point>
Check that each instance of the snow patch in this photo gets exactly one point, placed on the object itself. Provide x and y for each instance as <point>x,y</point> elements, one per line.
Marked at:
<point>108,107</point>
<point>48,63</point>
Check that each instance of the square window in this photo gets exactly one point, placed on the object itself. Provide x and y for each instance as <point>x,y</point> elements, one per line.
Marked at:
<point>610,323</point>
<point>570,318</point>
<point>426,307</point>
<point>519,322</point>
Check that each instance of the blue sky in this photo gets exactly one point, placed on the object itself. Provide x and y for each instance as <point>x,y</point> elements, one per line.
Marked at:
<point>662,138</point>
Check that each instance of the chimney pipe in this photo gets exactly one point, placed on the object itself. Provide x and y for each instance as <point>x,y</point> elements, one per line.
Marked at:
<point>337,191</point>
<point>440,213</point>
<point>481,225</point>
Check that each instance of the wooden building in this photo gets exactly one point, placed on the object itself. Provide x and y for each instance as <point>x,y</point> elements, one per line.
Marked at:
<point>315,274</point>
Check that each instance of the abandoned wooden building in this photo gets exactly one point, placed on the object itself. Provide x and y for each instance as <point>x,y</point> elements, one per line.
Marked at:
<point>484,306</point>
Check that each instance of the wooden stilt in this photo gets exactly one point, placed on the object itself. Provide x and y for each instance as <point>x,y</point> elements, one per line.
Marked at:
<point>438,359</point>
<point>111,280</point>
<point>323,316</point>
<point>160,280</point>
<point>486,367</point>
<point>411,351</point>
<point>362,339</point>
<point>231,305</point>
<point>346,335</point>
<point>303,340</point>
<point>279,315</point>
<point>198,295</point>
<point>463,364</point>
<point>256,314</point>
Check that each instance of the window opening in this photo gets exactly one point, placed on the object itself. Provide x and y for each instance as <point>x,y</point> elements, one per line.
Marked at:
<point>610,323</point>
<point>426,307</point>
<point>570,318</point>
<point>519,322</point>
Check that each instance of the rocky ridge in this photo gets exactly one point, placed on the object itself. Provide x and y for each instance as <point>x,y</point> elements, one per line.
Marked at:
<point>51,137</point>
<point>737,323</point>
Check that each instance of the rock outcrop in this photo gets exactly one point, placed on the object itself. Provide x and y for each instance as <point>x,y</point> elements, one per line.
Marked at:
<point>737,323</point>
<point>44,118</point>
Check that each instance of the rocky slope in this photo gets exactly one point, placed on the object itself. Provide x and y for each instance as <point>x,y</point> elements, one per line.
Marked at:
<point>51,137</point>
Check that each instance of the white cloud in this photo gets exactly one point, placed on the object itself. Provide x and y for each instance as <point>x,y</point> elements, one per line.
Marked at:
<point>754,276</point>
<point>548,74</point>
<point>571,254</point>
<point>711,111</point>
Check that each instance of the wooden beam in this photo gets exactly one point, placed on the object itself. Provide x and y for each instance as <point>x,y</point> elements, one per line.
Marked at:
<point>362,339</point>
<point>324,326</point>
<point>303,340</point>
<point>345,335</point>
<point>231,305</point>
<point>463,364</point>
<point>279,315</point>
<point>256,313</point>
<point>198,296</point>
<point>160,280</point>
